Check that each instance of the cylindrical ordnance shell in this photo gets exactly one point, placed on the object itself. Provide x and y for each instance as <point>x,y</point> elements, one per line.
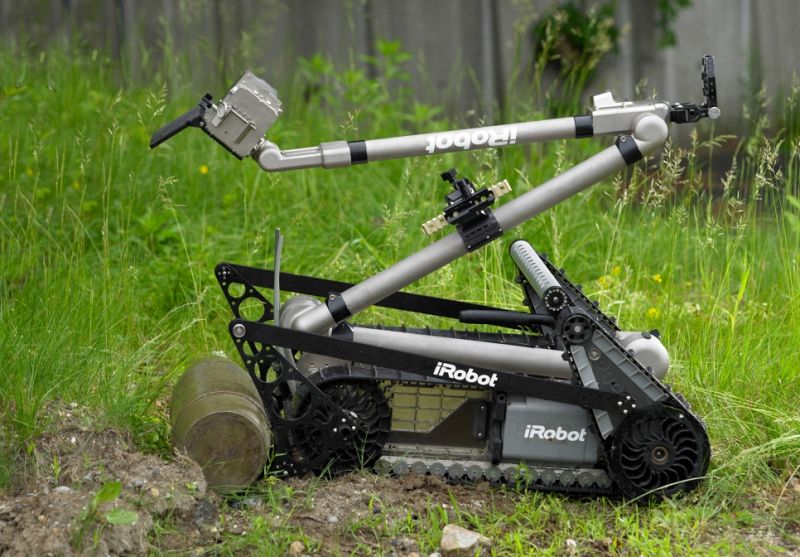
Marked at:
<point>218,419</point>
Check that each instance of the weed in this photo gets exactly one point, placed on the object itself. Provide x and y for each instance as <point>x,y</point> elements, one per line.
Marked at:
<point>89,518</point>
<point>577,41</point>
<point>55,468</point>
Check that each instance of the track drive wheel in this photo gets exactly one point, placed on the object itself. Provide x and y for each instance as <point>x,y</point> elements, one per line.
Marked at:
<point>361,447</point>
<point>658,450</point>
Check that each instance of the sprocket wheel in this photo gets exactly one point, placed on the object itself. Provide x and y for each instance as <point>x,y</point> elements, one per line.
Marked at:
<point>659,450</point>
<point>361,447</point>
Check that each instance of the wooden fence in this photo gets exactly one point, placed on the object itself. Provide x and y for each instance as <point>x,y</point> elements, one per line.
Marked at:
<point>464,52</point>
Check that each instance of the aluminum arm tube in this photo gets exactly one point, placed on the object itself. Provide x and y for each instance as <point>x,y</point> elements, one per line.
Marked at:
<point>499,357</point>
<point>652,129</point>
<point>451,247</point>
<point>556,190</point>
<point>337,154</point>
<point>468,139</point>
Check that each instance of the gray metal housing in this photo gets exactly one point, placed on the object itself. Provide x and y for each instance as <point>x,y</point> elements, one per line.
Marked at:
<point>240,120</point>
<point>546,432</point>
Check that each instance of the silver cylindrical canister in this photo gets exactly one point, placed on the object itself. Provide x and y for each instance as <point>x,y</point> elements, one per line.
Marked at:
<point>538,275</point>
<point>218,419</point>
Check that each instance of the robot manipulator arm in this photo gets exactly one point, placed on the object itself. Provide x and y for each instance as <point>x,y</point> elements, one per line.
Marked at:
<point>241,119</point>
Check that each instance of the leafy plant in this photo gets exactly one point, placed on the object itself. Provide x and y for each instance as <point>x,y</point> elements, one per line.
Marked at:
<point>666,15</point>
<point>88,518</point>
<point>55,467</point>
<point>121,517</point>
<point>576,41</point>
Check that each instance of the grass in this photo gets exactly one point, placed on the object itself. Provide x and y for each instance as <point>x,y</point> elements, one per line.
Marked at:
<point>106,285</point>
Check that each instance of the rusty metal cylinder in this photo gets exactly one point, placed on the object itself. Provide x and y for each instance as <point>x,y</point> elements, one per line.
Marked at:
<point>217,418</point>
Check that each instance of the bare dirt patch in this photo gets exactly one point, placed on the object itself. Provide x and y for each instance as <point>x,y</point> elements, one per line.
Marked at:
<point>50,511</point>
<point>369,514</point>
<point>356,496</point>
<point>345,505</point>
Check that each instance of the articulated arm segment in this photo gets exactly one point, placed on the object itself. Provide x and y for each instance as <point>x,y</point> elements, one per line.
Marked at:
<point>240,120</point>
<point>346,153</point>
<point>650,133</point>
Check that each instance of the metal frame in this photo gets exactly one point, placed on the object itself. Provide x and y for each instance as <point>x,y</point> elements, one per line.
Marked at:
<point>646,123</point>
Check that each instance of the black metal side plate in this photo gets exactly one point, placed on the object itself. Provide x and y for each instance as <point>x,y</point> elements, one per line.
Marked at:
<point>313,286</point>
<point>526,385</point>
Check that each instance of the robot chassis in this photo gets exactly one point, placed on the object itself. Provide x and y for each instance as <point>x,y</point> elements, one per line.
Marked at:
<point>562,400</point>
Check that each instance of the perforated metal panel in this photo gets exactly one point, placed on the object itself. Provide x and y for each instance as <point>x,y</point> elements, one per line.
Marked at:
<point>420,409</point>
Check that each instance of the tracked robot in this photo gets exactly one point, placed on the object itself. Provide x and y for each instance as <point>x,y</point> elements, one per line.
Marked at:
<point>557,397</point>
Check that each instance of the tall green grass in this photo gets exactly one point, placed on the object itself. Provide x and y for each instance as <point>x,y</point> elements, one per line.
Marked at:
<point>108,248</point>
